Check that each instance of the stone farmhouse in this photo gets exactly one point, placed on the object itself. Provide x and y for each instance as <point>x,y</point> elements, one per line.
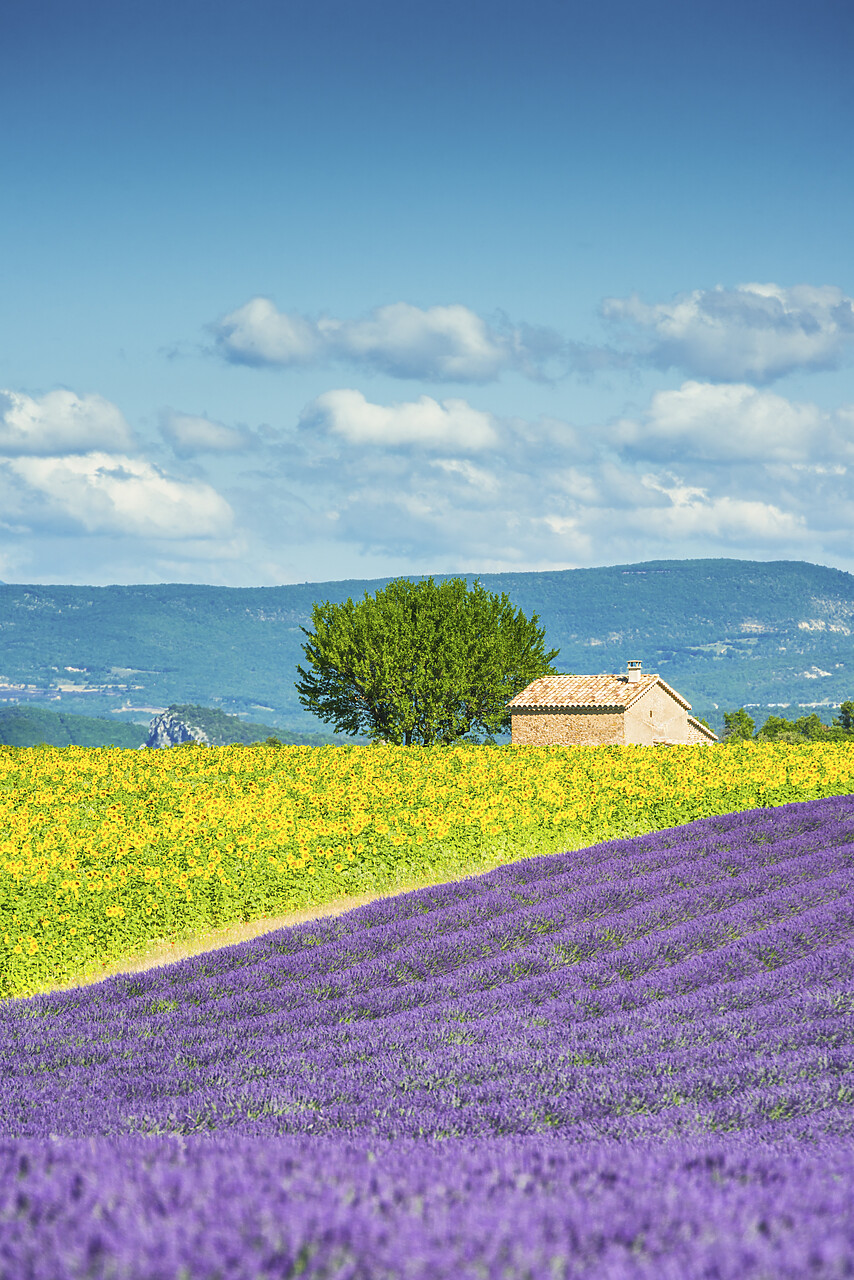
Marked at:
<point>606,710</point>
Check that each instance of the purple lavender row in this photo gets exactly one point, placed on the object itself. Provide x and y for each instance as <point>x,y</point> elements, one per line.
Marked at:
<point>649,937</point>
<point>770,950</point>
<point>614,860</point>
<point>157,1209</point>
<point>639,942</point>
<point>397,1078</point>
<point>673,1097</point>
<point>606,868</point>
<point>505,932</point>
<point>704,886</point>
<point>616,1041</point>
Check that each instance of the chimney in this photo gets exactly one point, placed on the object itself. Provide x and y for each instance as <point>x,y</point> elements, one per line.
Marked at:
<point>633,672</point>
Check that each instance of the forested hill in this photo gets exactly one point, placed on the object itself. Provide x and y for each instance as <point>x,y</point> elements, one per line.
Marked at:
<point>722,632</point>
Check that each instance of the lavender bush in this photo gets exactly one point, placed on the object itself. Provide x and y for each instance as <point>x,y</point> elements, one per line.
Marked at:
<point>631,1060</point>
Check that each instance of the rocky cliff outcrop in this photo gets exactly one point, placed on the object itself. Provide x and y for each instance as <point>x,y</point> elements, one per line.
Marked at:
<point>168,730</point>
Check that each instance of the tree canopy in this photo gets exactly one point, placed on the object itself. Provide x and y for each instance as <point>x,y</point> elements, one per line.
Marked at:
<point>845,719</point>
<point>739,726</point>
<point>420,662</point>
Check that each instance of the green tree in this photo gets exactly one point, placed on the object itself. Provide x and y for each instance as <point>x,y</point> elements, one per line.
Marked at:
<point>845,719</point>
<point>811,727</point>
<point>738,726</point>
<point>776,729</point>
<point>805,729</point>
<point>420,662</point>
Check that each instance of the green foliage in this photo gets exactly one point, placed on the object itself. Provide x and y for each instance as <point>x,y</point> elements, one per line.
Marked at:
<point>804,729</point>
<point>845,719</point>
<point>420,662</point>
<point>33,726</point>
<point>738,725</point>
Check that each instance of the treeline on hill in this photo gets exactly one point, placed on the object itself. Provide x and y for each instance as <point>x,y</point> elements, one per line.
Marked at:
<point>34,727</point>
<point>26,726</point>
<point>739,726</point>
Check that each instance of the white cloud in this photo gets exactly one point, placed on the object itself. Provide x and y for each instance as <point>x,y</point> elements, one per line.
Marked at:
<point>549,495</point>
<point>258,334</point>
<point>114,493</point>
<point>448,344</point>
<point>689,511</point>
<point>732,422</point>
<point>582,484</point>
<point>441,343</point>
<point>189,434</point>
<point>425,422</point>
<point>754,331</point>
<point>562,525</point>
<point>365,489</point>
<point>59,422</point>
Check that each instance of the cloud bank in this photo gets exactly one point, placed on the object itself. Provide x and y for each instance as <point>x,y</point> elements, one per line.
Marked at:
<point>754,332</point>
<point>438,344</point>
<point>704,469</point>
<point>730,423</point>
<point>64,463</point>
<point>116,494</point>
<point>358,488</point>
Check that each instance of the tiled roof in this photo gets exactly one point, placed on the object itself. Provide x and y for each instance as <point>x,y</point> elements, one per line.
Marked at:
<point>589,691</point>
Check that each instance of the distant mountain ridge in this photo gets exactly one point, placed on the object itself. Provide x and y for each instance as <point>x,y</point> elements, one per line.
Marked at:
<point>724,633</point>
<point>32,726</point>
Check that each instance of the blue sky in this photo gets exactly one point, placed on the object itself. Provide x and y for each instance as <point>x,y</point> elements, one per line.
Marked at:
<point>302,291</point>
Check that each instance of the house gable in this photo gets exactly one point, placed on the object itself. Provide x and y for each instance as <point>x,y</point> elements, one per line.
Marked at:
<point>659,715</point>
<point>700,733</point>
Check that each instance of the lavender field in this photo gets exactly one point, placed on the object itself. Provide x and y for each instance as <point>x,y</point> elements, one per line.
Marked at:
<point>633,1060</point>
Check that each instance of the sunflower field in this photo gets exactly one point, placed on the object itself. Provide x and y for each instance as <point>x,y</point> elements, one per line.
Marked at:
<point>103,851</point>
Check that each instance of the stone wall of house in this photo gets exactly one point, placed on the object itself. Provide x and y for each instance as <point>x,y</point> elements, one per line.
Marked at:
<point>656,717</point>
<point>548,727</point>
<point>697,738</point>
